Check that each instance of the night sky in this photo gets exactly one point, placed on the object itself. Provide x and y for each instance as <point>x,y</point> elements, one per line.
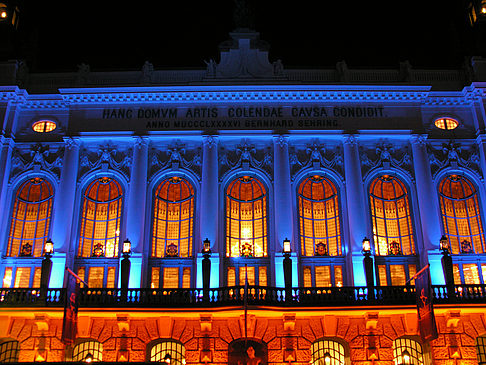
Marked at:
<point>182,34</point>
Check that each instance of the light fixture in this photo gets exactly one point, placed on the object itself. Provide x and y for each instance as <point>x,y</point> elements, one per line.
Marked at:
<point>88,358</point>
<point>167,358</point>
<point>327,358</point>
<point>286,246</point>
<point>405,357</point>
<point>206,246</point>
<point>48,248</point>
<point>127,247</point>
<point>444,244</point>
<point>3,14</point>
<point>366,246</point>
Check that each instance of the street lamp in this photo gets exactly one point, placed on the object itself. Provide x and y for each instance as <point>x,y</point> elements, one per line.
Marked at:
<point>447,267</point>
<point>368,266</point>
<point>405,357</point>
<point>46,266</point>
<point>125,263</point>
<point>287,266</point>
<point>206,267</point>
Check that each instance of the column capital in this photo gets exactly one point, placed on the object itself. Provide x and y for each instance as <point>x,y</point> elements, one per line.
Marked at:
<point>481,138</point>
<point>210,141</point>
<point>281,140</point>
<point>350,139</point>
<point>72,142</point>
<point>419,139</point>
<point>7,141</point>
<point>140,142</point>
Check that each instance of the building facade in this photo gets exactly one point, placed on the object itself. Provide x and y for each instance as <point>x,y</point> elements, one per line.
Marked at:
<point>244,156</point>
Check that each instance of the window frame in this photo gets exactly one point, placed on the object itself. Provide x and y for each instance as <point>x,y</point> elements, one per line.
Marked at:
<point>7,350</point>
<point>411,350</point>
<point>339,342</point>
<point>98,350</point>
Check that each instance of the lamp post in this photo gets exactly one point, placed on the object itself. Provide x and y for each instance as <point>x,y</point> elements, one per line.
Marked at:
<point>46,266</point>
<point>125,263</point>
<point>447,267</point>
<point>368,267</point>
<point>206,267</point>
<point>287,267</point>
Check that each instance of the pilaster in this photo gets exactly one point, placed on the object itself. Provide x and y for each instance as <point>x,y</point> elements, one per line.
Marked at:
<point>7,145</point>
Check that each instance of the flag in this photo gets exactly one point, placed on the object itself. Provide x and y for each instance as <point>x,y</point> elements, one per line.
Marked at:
<point>425,308</point>
<point>70,321</point>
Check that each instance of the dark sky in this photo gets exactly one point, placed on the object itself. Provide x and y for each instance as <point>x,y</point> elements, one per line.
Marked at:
<point>109,35</point>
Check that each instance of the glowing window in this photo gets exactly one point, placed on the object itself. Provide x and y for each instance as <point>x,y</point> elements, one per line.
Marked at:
<point>321,276</point>
<point>173,221</point>
<point>44,126</point>
<point>320,231</point>
<point>481,349</point>
<point>461,215</point>
<point>88,350</point>
<point>100,219</point>
<point>446,123</point>
<point>162,351</point>
<point>31,218</point>
<point>391,219</point>
<point>246,218</point>
<point>327,352</point>
<point>407,351</point>
<point>9,351</point>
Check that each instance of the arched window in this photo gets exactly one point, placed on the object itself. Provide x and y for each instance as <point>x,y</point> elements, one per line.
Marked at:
<point>31,218</point>
<point>391,219</point>
<point>173,222</point>
<point>246,218</point>
<point>168,350</point>
<point>320,230</point>
<point>461,215</point>
<point>327,352</point>
<point>407,352</point>
<point>481,349</point>
<point>9,351</point>
<point>241,351</point>
<point>86,351</point>
<point>100,219</point>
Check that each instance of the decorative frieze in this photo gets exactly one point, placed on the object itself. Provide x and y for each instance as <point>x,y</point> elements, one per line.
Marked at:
<point>386,155</point>
<point>454,154</point>
<point>175,156</point>
<point>316,156</point>
<point>37,157</point>
<point>105,157</point>
<point>245,156</point>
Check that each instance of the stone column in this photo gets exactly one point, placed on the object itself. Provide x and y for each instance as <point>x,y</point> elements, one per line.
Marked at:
<point>7,145</point>
<point>209,210</point>
<point>135,210</point>
<point>355,210</point>
<point>283,208</point>
<point>63,212</point>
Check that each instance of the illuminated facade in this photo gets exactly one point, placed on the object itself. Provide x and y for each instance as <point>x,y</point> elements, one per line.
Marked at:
<point>243,155</point>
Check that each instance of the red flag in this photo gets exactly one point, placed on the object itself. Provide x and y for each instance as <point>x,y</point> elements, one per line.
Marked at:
<point>425,308</point>
<point>70,321</point>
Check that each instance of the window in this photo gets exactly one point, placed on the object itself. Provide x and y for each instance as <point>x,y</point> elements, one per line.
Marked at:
<point>31,218</point>
<point>461,215</point>
<point>100,219</point>
<point>407,352</point>
<point>481,349</point>
<point>44,126</point>
<point>90,349</point>
<point>246,218</point>
<point>327,351</point>
<point>391,219</point>
<point>21,277</point>
<point>446,123</point>
<point>172,234</point>
<point>9,351</point>
<point>163,351</point>
<point>320,231</point>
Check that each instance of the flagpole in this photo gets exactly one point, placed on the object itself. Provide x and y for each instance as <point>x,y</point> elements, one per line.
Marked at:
<point>418,273</point>
<point>76,276</point>
<point>245,303</point>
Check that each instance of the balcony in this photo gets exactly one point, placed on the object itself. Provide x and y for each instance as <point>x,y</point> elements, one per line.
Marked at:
<point>234,296</point>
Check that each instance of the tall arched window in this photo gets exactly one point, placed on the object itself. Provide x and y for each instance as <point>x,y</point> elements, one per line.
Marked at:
<point>172,234</point>
<point>31,218</point>
<point>461,215</point>
<point>407,351</point>
<point>246,218</point>
<point>173,222</point>
<point>320,231</point>
<point>100,219</point>
<point>391,218</point>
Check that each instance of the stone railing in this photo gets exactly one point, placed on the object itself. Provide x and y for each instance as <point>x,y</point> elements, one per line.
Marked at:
<point>235,296</point>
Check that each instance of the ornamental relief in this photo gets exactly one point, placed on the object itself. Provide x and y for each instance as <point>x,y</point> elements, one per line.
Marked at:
<point>245,156</point>
<point>316,155</point>
<point>453,154</point>
<point>107,156</point>
<point>174,156</point>
<point>385,155</point>
<point>37,157</point>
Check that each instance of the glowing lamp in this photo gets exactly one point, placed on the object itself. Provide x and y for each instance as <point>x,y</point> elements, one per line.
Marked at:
<point>206,246</point>
<point>127,247</point>
<point>48,248</point>
<point>167,358</point>
<point>366,246</point>
<point>88,358</point>
<point>444,244</point>
<point>405,357</point>
<point>3,14</point>
<point>327,358</point>
<point>286,246</point>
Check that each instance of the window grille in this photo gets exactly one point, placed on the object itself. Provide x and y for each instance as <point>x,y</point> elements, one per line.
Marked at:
<point>9,351</point>
<point>320,230</point>
<point>329,350</point>
<point>31,218</point>
<point>461,215</point>
<point>173,219</point>
<point>407,352</point>
<point>100,219</point>
<point>162,350</point>
<point>246,218</point>
<point>481,349</point>
<point>391,218</point>
<point>87,349</point>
